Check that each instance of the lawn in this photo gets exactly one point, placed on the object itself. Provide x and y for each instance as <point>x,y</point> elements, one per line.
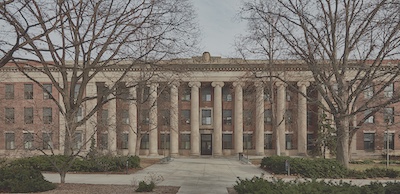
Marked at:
<point>361,167</point>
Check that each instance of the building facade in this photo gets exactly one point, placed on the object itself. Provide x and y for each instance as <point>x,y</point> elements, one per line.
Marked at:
<point>197,106</point>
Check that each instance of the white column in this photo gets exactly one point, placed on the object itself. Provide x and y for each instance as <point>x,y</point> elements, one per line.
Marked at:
<point>217,135</point>
<point>259,118</point>
<point>238,117</point>
<point>132,136</point>
<point>302,118</point>
<point>280,118</point>
<point>153,129</point>
<point>174,120</point>
<point>112,125</point>
<point>91,131</point>
<point>194,119</point>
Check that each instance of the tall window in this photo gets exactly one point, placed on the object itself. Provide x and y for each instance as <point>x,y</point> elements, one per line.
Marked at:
<point>206,94</point>
<point>123,91</point>
<point>164,138</point>
<point>227,141</point>
<point>76,90</point>
<point>77,139</point>
<point>186,94</point>
<point>79,114</point>
<point>28,115</point>
<point>388,115</point>
<point>369,141</point>
<point>144,116</point>
<point>47,140</point>
<point>28,91</point>
<point>289,141</point>
<point>206,118</point>
<point>368,92</point>
<point>289,116</point>
<point>226,94</point>
<point>165,117</point>
<point>268,141</point>
<point>47,115</point>
<point>267,116</point>
<point>185,141</point>
<point>247,141</point>
<point>10,141</point>
<point>9,91</point>
<point>103,141</point>
<point>247,117</point>
<point>185,116</point>
<point>104,117</point>
<point>267,95</point>
<point>388,91</point>
<point>28,141</point>
<point>10,116</point>
<point>125,116</point>
<point>124,140</point>
<point>370,119</point>
<point>47,90</point>
<point>391,141</point>
<point>144,142</point>
<point>310,141</point>
<point>227,116</point>
<point>289,95</point>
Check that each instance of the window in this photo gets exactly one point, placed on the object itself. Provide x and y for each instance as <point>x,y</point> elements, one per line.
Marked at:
<point>289,116</point>
<point>206,117</point>
<point>185,141</point>
<point>77,140</point>
<point>76,90</point>
<point>164,138</point>
<point>289,141</point>
<point>47,140</point>
<point>289,95</point>
<point>388,91</point>
<point>28,141</point>
<point>165,95</point>
<point>391,141</point>
<point>267,95</point>
<point>368,92</point>
<point>10,141</point>
<point>79,114</point>
<point>268,141</point>
<point>227,141</point>
<point>310,141</point>
<point>28,91</point>
<point>10,116</point>
<point>144,142</point>
<point>247,117</point>
<point>9,91</point>
<point>28,115</point>
<point>186,94</point>
<point>103,141</point>
<point>165,117</point>
<point>104,117</point>
<point>125,116</point>
<point>370,119</point>
<point>247,141</point>
<point>47,90</point>
<point>226,94</point>
<point>144,116</point>
<point>267,116</point>
<point>124,140</point>
<point>206,94</point>
<point>185,114</point>
<point>310,118</point>
<point>227,117</point>
<point>388,115</point>
<point>369,141</point>
<point>47,115</point>
<point>123,91</point>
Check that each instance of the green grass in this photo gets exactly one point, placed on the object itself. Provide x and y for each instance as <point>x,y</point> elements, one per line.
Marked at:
<point>362,167</point>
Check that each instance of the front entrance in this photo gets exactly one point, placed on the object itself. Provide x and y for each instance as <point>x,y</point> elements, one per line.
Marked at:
<point>206,144</point>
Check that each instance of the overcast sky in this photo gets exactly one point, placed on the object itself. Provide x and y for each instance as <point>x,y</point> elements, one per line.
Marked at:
<point>219,25</point>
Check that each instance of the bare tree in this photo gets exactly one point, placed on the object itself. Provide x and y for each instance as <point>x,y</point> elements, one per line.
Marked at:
<point>345,45</point>
<point>91,37</point>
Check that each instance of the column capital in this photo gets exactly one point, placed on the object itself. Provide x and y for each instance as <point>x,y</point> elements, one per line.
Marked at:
<point>280,83</point>
<point>194,84</point>
<point>259,84</point>
<point>154,84</point>
<point>238,83</point>
<point>215,84</point>
<point>303,83</point>
<point>175,83</point>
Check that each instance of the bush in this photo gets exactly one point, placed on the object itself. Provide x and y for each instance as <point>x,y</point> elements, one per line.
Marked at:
<point>22,179</point>
<point>145,187</point>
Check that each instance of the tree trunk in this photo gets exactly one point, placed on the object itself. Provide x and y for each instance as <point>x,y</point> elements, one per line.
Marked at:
<point>342,147</point>
<point>63,173</point>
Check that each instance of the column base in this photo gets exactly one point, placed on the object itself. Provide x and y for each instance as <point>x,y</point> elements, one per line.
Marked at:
<point>302,154</point>
<point>217,154</point>
<point>153,155</point>
<point>174,155</point>
<point>260,154</point>
<point>194,154</point>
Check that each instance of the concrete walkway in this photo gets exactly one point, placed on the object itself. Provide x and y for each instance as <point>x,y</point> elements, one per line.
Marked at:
<point>193,175</point>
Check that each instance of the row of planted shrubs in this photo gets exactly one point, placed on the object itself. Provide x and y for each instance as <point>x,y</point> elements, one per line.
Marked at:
<point>98,164</point>
<point>259,185</point>
<point>321,168</point>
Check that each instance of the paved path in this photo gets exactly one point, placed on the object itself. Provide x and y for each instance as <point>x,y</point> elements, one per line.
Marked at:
<point>193,175</point>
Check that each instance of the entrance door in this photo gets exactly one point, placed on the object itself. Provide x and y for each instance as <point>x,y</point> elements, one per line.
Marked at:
<point>206,144</point>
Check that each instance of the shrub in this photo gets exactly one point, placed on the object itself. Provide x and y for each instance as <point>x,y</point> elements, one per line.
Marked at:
<point>375,172</point>
<point>22,179</point>
<point>145,187</point>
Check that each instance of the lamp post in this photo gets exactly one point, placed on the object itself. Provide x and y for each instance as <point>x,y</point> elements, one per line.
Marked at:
<point>387,143</point>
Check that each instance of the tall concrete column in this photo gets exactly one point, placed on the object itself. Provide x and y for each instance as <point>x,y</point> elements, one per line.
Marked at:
<point>153,133</point>
<point>112,125</point>
<point>280,118</point>
<point>259,118</point>
<point>174,120</point>
<point>217,135</point>
<point>194,119</point>
<point>132,135</point>
<point>238,117</point>
<point>302,118</point>
<point>91,130</point>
